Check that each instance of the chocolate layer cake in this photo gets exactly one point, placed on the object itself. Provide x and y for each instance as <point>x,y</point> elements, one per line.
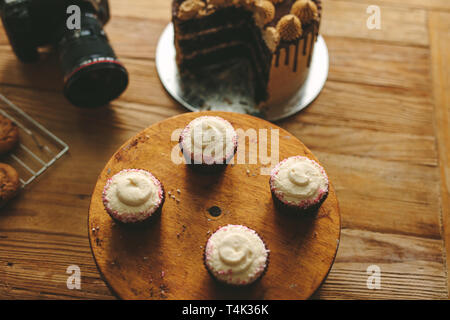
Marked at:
<point>276,36</point>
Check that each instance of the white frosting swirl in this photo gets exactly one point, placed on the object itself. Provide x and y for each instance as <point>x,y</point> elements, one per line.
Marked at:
<point>207,133</point>
<point>132,191</point>
<point>235,251</point>
<point>236,254</point>
<point>298,179</point>
<point>209,139</point>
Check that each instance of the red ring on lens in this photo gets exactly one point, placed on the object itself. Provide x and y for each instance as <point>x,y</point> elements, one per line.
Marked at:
<point>96,83</point>
<point>66,78</point>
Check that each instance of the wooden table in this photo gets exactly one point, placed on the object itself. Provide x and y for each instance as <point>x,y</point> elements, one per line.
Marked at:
<point>380,126</point>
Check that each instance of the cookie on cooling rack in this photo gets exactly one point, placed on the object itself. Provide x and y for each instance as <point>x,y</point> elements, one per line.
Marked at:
<point>9,183</point>
<point>9,134</point>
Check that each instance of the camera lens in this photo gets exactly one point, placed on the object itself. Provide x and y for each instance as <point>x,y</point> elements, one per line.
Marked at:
<point>93,76</point>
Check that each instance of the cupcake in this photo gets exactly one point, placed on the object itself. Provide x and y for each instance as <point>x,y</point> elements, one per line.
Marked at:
<point>236,255</point>
<point>133,195</point>
<point>208,143</point>
<point>299,185</point>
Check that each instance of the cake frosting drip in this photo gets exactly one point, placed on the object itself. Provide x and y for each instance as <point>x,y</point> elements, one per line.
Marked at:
<point>305,10</point>
<point>132,192</point>
<point>209,139</point>
<point>289,27</point>
<point>236,254</point>
<point>299,179</point>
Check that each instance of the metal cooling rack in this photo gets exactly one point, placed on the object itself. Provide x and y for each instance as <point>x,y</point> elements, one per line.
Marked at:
<point>38,148</point>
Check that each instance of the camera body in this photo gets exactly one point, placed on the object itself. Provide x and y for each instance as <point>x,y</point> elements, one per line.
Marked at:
<point>93,75</point>
<point>31,24</point>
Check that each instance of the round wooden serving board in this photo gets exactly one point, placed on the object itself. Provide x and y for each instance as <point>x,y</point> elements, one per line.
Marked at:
<point>164,260</point>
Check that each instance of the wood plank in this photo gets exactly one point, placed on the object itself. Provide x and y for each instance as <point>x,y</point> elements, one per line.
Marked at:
<point>135,37</point>
<point>13,72</point>
<point>325,140</point>
<point>56,113</point>
<point>384,196</point>
<point>399,147</point>
<point>419,4</point>
<point>439,26</point>
<point>352,60</point>
<point>3,38</point>
<point>406,26</point>
<point>402,18</point>
<point>51,108</point>
<point>340,104</point>
<point>155,9</point>
<point>371,107</point>
<point>411,268</point>
<point>379,64</point>
<point>403,25</point>
<point>401,259</point>
<point>145,86</point>
<point>396,185</point>
<point>33,265</point>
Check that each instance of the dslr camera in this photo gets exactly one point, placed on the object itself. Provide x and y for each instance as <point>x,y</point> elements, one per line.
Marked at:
<point>93,76</point>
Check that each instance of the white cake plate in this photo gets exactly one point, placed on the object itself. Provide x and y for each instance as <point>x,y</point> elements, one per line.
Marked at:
<point>230,89</point>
